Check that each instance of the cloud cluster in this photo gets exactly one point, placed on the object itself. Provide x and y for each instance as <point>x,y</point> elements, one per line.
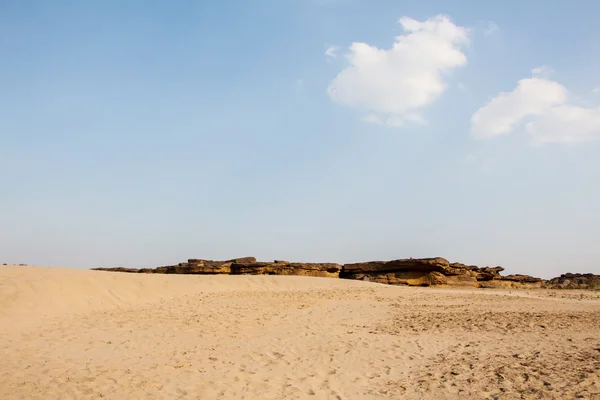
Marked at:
<point>546,105</point>
<point>394,85</point>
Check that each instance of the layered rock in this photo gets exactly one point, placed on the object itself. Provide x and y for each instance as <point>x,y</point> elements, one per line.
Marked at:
<point>240,266</point>
<point>434,271</point>
<point>408,271</point>
<point>488,273</point>
<point>575,281</point>
<point>521,278</point>
<point>412,272</point>
<point>513,281</point>
<point>194,266</point>
<point>278,267</point>
<point>204,267</point>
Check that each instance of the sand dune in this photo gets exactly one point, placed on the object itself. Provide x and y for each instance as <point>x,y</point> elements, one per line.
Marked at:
<point>36,292</point>
<point>78,334</point>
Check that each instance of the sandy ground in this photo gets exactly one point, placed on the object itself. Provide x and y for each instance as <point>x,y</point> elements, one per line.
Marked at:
<point>74,334</point>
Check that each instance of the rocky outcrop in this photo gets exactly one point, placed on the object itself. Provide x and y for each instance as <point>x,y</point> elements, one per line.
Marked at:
<point>521,278</point>
<point>488,273</point>
<point>406,271</point>
<point>435,271</point>
<point>204,267</point>
<point>240,266</point>
<point>574,281</point>
<point>513,281</point>
<point>278,267</point>
<point>194,266</point>
<point>412,272</point>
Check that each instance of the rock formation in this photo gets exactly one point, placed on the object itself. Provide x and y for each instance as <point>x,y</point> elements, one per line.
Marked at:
<point>193,266</point>
<point>407,271</point>
<point>326,270</point>
<point>513,281</point>
<point>434,271</point>
<point>199,266</point>
<point>240,266</point>
<point>574,281</point>
<point>412,272</point>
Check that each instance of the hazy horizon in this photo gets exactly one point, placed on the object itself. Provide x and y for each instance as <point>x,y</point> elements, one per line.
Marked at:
<point>142,134</point>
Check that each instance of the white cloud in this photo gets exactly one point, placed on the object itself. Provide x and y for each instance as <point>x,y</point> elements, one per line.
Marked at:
<point>394,85</point>
<point>491,28</point>
<point>331,52</point>
<point>566,124</point>
<point>596,90</point>
<point>532,96</point>
<point>543,71</point>
<point>552,119</point>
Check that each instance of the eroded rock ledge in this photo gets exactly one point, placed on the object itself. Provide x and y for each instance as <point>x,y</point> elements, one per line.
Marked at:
<point>434,271</point>
<point>408,271</point>
<point>575,281</point>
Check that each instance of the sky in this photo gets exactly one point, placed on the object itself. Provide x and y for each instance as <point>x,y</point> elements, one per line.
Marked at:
<point>144,133</point>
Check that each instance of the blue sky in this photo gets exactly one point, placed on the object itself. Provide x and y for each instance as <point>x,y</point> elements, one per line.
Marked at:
<point>143,133</point>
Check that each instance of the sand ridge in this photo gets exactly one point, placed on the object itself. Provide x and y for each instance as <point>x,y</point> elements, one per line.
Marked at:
<point>67,333</point>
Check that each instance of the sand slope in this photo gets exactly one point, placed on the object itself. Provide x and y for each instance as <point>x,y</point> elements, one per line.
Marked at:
<point>87,334</point>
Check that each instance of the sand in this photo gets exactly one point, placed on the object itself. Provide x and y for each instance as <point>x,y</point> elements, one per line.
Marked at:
<point>75,334</point>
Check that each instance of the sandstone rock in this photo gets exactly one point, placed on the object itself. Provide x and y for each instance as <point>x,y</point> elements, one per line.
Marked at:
<point>327,270</point>
<point>515,281</point>
<point>255,268</point>
<point>506,284</point>
<point>407,264</point>
<point>199,266</point>
<point>408,271</point>
<point>521,278</point>
<point>409,278</point>
<point>412,272</point>
<point>575,281</point>
<point>488,273</point>
<point>433,271</point>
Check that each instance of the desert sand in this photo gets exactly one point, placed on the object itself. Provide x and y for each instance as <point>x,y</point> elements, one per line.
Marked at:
<point>76,334</point>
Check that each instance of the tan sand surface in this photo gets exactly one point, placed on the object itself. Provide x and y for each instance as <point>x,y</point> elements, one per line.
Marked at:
<point>75,334</point>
